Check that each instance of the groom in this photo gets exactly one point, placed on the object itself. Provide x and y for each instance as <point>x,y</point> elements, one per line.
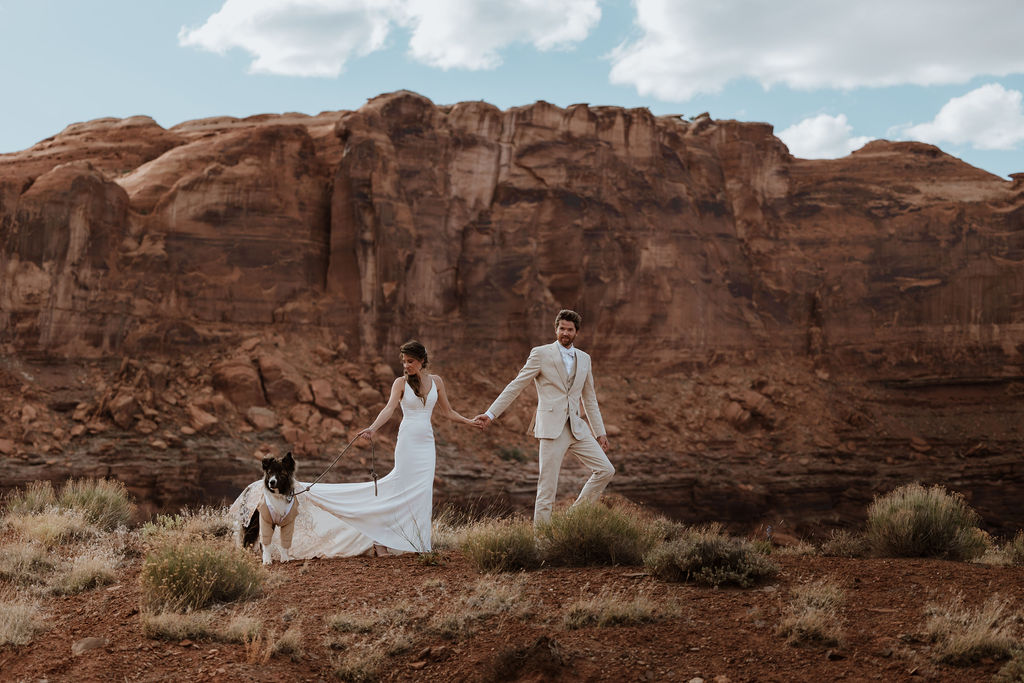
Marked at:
<point>562,375</point>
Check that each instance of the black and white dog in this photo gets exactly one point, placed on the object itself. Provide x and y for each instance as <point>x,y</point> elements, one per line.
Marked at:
<point>279,507</point>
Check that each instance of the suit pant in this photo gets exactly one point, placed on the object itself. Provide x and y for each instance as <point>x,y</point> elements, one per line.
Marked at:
<point>552,451</point>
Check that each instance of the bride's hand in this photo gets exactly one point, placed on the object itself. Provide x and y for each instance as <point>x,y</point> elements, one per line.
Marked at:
<point>366,434</point>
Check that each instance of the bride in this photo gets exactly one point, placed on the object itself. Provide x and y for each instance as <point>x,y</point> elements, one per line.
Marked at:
<point>350,519</point>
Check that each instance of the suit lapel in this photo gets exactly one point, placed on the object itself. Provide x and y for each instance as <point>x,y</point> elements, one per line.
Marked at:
<point>556,357</point>
<point>582,368</point>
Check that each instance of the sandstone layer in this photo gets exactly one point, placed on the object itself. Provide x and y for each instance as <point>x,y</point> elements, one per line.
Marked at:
<point>776,338</point>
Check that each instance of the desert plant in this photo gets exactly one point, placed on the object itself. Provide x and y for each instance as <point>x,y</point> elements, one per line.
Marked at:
<point>593,534</point>
<point>104,502</point>
<point>813,614</point>
<point>1009,554</point>
<point>501,545</point>
<point>914,521</point>
<point>53,527</point>
<point>964,635</point>
<point>196,573</point>
<point>25,564</point>
<point>20,618</point>
<point>89,570</point>
<point>351,622</point>
<point>844,543</point>
<point>175,626</point>
<point>205,522</point>
<point>361,662</point>
<point>239,629</point>
<point>486,598</point>
<point>36,497</point>
<point>1013,670</point>
<point>706,556</point>
<point>613,608</point>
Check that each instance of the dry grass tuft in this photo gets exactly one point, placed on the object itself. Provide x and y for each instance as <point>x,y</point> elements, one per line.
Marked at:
<point>613,607</point>
<point>20,618</point>
<point>486,598</point>
<point>91,569</point>
<point>813,614</point>
<point>843,543</point>
<point>25,564</point>
<point>52,527</point>
<point>104,502</point>
<point>361,662</point>
<point>175,626</point>
<point>964,635</point>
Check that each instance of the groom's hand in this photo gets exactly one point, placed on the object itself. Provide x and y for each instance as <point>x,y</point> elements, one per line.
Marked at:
<point>482,420</point>
<point>603,442</point>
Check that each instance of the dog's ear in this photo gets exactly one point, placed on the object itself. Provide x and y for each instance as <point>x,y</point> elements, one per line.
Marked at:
<point>267,462</point>
<point>289,461</point>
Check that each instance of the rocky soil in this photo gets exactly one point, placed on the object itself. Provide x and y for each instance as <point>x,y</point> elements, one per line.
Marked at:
<point>715,635</point>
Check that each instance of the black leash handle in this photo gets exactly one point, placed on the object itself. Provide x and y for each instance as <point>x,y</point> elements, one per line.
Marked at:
<point>373,471</point>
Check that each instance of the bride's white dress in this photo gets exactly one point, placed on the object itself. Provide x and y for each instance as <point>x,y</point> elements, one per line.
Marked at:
<point>347,519</point>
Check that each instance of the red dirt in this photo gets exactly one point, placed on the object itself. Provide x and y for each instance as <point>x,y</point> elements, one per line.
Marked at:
<point>719,634</point>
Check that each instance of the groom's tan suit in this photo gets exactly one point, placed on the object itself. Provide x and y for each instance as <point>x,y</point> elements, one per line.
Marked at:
<point>558,423</point>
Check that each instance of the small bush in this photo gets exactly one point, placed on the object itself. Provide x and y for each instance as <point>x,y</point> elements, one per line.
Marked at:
<point>1008,555</point>
<point>176,627</point>
<point>104,502</point>
<point>913,521</point>
<point>37,496</point>
<point>843,543</point>
<point>351,622</point>
<point>1013,670</point>
<point>197,573</point>
<point>964,635</point>
<point>813,614</point>
<point>53,527</point>
<point>707,557</point>
<point>239,629</point>
<point>362,662</point>
<point>592,534</point>
<point>504,545</point>
<point>290,643</point>
<point>486,598</point>
<point>89,570</point>
<point>20,619</point>
<point>612,608</point>
<point>25,564</point>
<point>205,522</point>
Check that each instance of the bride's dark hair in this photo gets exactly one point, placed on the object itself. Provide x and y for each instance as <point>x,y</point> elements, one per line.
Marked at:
<point>415,350</point>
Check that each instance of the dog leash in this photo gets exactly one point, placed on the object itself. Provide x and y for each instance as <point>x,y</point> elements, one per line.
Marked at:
<point>373,468</point>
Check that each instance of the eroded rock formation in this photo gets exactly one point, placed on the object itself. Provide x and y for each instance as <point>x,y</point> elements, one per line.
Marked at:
<point>798,324</point>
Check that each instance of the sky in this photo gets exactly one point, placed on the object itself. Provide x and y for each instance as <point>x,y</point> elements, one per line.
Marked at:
<point>829,75</point>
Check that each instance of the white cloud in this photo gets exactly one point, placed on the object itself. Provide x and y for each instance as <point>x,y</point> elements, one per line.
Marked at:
<point>317,37</point>
<point>689,47</point>
<point>469,33</point>
<point>989,117</point>
<point>822,137</point>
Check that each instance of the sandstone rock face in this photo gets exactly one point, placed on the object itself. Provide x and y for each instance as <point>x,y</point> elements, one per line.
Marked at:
<point>225,265</point>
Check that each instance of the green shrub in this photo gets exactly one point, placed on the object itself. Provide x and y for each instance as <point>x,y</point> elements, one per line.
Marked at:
<point>913,521</point>
<point>707,557</point>
<point>104,502</point>
<point>206,522</point>
<point>503,545</point>
<point>592,534</point>
<point>194,574</point>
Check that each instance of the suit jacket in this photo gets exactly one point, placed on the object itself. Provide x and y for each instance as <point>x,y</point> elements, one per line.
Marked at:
<point>557,401</point>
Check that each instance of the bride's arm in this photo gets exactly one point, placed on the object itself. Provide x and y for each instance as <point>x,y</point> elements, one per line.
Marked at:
<point>388,410</point>
<point>446,407</point>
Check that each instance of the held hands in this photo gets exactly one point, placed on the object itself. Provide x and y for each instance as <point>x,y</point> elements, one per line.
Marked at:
<point>482,421</point>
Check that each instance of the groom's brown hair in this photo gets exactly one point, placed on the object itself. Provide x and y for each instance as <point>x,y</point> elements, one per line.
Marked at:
<point>572,316</point>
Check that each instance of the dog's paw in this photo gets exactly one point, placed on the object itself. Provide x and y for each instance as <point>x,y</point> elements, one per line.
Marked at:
<point>266,555</point>
<point>284,555</point>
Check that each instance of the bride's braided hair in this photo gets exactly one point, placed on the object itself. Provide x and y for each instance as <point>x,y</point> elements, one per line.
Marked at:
<point>415,350</point>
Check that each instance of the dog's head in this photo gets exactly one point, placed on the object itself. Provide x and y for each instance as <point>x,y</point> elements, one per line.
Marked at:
<point>278,474</point>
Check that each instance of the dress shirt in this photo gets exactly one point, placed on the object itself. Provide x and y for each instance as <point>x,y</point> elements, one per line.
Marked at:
<point>568,357</point>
